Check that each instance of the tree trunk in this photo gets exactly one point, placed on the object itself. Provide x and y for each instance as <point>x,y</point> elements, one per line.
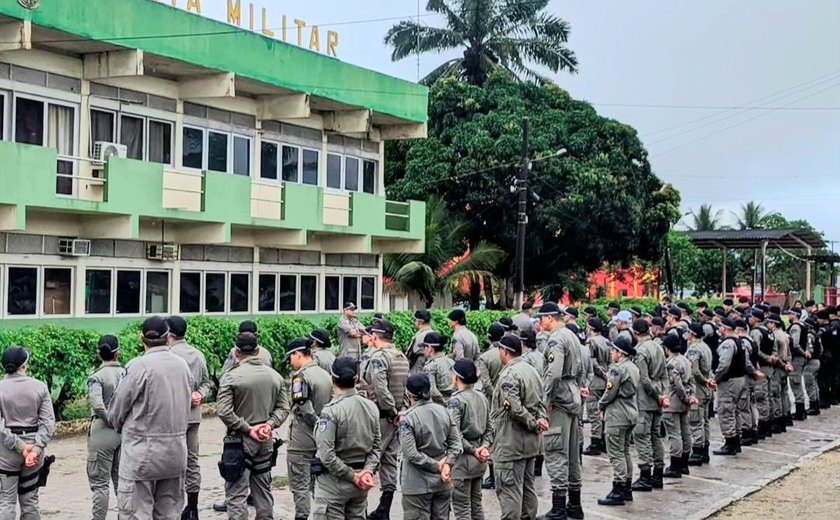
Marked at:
<point>475,294</point>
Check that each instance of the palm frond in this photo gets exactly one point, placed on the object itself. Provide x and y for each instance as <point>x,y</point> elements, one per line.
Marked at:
<point>408,37</point>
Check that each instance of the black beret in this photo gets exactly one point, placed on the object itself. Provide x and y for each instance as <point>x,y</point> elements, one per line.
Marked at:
<point>743,299</point>
<point>592,311</point>
<point>434,340</point>
<point>657,322</point>
<point>614,305</point>
<point>321,337</point>
<point>246,342</point>
<point>465,369</point>
<point>349,306</point>
<point>728,301</point>
<point>296,345</point>
<point>548,309</point>
<point>762,307</point>
<point>248,326</point>
<point>636,311</point>
<point>696,329</point>
<point>793,312</point>
<point>14,357</point>
<point>624,345</point>
<point>507,323</point>
<point>177,326</point>
<point>155,327</point>
<point>709,313</point>
<point>595,324</point>
<point>775,309</point>
<point>571,311</point>
<point>418,385</point>
<point>741,324</point>
<point>527,306</point>
<point>512,344</point>
<point>684,306</point>
<point>423,315</point>
<point>496,331</point>
<point>728,323</point>
<point>757,314</point>
<point>109,341</point>
<point>831,309</point>
<point>671,342</point>
<point>810,303</point>
<point>344,368</point>
<point>823,314</point>
<point>811,322</point>
<point>702,304</point>
<point>774,319</point>
<point>458,315</point>
<point>641,326</point>
<point>383,327</point>
<point>675,312</point>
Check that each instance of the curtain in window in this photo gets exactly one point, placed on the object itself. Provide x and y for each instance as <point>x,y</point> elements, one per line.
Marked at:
<point>29,121</point>
<point>131,135</point>
<point>60,130</point>
<point>160,142</point>
<point>101,127</point>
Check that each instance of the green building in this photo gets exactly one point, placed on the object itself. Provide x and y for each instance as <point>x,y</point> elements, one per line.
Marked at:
<point>153,161</point>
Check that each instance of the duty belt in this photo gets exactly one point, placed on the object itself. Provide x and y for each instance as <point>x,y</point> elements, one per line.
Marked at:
<point>23,430</point>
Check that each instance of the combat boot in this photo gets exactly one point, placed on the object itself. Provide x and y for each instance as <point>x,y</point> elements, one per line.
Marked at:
<point>800,414</point>
<point>747,438</point>
<point>595,448</point>
<point>696,457</point>
<point>490,481</point>
<point>538,465</point>
<point>643,483</point>
<point>189,513</point>
<point>614,498</point>
<point>684,464</point>
<point>656,478</point>
<point>706,458</point>
<point>574,508</point>
<point>558,507</point>
<point>814,409</point>
<point>383,510</point>
<point>788,420</point>
<point>776,426</point>
<point>728,448</point>
<point>628,491</point>
<point>673,471</point>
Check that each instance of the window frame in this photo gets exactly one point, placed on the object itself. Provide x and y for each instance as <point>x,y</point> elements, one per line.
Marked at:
<point>200,274</point>
<point>115,124</point>
<point>42,290</point>
<point>231,136</point>
<point>249,285</point>
<point>39,290</point>
<point>276,305</point>
<point>343,173</point>
<point>280,144</point>
<point>226,306</point>
<point>112,304</point>
<point>375,176</point>
<point>145,295</point>
<point>5,116</point>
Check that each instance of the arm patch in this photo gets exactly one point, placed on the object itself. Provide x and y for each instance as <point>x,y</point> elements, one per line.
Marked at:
<point>507,388</point>
<point>323,422</point>
<point>377,365</point>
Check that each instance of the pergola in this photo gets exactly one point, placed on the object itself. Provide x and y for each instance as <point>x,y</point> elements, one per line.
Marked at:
<point>760,240</point>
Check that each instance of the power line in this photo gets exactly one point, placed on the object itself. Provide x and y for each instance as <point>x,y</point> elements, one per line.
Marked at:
<point>707,107</point>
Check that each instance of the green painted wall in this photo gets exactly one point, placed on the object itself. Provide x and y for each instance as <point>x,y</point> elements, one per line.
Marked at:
<point>150,26</point>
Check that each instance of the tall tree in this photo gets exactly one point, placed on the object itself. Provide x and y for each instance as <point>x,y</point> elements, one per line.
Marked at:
<point>705,219</point>
<point>753,216</point>
<point>507,34</point>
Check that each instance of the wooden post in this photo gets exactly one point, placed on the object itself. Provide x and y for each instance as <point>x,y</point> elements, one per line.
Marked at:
<point>763,269</point>
<point>808,275</point>
<point>723,274</point>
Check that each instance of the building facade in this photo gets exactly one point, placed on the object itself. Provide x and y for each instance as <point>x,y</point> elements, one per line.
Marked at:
<point>153,161</point>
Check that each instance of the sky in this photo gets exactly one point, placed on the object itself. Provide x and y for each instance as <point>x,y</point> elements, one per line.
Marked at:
<point>698,62</point>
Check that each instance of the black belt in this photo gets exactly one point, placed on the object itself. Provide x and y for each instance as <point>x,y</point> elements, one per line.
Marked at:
<point>356,465</point>
<point>23,430</point>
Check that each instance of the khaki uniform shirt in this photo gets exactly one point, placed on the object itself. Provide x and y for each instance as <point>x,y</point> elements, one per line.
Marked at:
<point>324,358</point>
<point>536,359</point>
<point>251,394</point>
<point>619,400</point>
<point>348,345</point>
<point>198,368</point>
<point>439,370</point>
<point>24,403</point>
<point>542,341</point>
<point>679,388</point>
<point>383,379</point>
<point>489,366</point>
<point>102,385</point>
<point>562,372</point>
<point>230,361</point>
<point>415,351</point>
<point>311,391</point>
<point>464,344</point>
<point>427,434</point>
<point>653,379</point>
<point>599,348</point>
<point>516,407</point>
<point>470,412</point>
<point>700,356</point>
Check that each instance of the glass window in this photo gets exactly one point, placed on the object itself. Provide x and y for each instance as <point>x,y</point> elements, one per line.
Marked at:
<point>368,293</point>
<point>160,142</point>
<point>267,289</point>
<point>240,291</point>
<point>334,171</point>
<point>268,157</point>
<point>241,156</point>
<point>369,177</point>
<point>291,160</point>
<point>131,135</point>
<point>310,167</point>
<point>157,292</point>
<point>58,290</point>
<point>101,127</point>
<point>350,290</point>
<point>22,294</point>
<point>2,116</point>
<point>351,174</point>
<point>29,121</point>
<point>190,292</point>
<point>61,136</point>
<point>214,292</point>
<point>64,179</point>
<point>193,148</point>
<point>331,284</point>
<point>288,292</point>
<point>98,291</point>
<point>217,152</point>
<point>308,293</point>
<point>128,292</point>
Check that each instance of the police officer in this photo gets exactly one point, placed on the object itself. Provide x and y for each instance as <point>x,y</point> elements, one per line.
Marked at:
<point>319,348</point>
<point>798,348</point>
<point>680,400</point>
<point>311,390</point>
<point>571,315</point>
<point>518,417</point>
<point>700,356</point>
<point>430,443</point>
<point>523,319</point>
<point>812,367</point>
<point>470,413</point>
<point>601,354</point>
<point>620,410</point>
<point>250,327</point>
<point>747,404</point>
<point>530,354</point>
<point>103,442</point>
<point>350,331</point>
<point>383,381</point>
<point>201,387</point>
<point>348,442</point>
<point>150,409</point>
<point>464,342</point>
<point>650,360</point>
<point>779,378</point>
<point>767,357</point>
<point>438,368</point>
<point>828,340</point>
<point>623,323</point>
<point>613,308</point>
<point>489,367</point>
<point>416,351</point>
<point>563,402</point>
<point>252,402</point>
<point>27,410</point>
<point>733,366</point>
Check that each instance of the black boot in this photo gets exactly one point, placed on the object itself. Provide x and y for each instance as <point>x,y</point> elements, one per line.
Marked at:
<point>800,414</point>
<point>788,420</point>
<point>706,458</point>
<point>538,464</point>
<point>643,483</point>
<point>656,478</point>
<point>761,432</point>
<point>595,447</point>
<point>490,481</point>
<point>628,491</point>
<point>220,506</point>
<point>190,513</point>
<point>814,409</point>
<point>696,457</point>
<point>614,498</point>
<point>383,510</point>
<point>728,448</point>
<point>574,509</point>
<point>673,471</point>
<point>558,507</point>
<point>777,426</point>
<point>684,464</point>
<point>747,438</point>
<point>825,405</point>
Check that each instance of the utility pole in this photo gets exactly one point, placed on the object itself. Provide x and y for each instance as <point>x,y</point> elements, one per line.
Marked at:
<point>522,214</point>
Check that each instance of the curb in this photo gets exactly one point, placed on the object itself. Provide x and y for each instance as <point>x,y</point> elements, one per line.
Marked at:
<point>79,427</point>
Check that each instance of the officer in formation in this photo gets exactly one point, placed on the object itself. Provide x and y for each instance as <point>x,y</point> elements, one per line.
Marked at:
<point>781,416</point>
<point>350,332</point>
<point>416,351</point>
<point>613,308</point>
<point>801,351</point>
<point>27,424</point>
<point>530,354</point>
<point>522,321</point>
<point>600,351</point>
<point>311,390</point>
<point>828,336</point>
<point>319,348</point>
<point>651,397</point>
<point>103,442</point>
<point>730,374</point>
<point>489,368</point>
<point>623,325</point>
<point>430,443</point>
<point>438,368</point>
<point>700,356</point>
<point>464,343</point>
<point>619,408</point>
<point>249,327</point>
<point>201,387</point>
<point>680,399</point>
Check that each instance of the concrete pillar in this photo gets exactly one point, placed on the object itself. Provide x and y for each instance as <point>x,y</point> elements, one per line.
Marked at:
<point>808,275</point>
<point>723,273</point>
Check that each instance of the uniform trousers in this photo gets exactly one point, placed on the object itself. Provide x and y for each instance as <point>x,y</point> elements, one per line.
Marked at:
<point>746,404</point>
<point>254,481</point>
<point>679,435</point>
<point>388,455</point>
<point>796,380</point>
<point>698,420</point>
<point>592,412</point>
<point>812,368</point>
<point>466,499</point>
<point>192,480</point>
<point>301,483</point>
<point>731,395</point>
<point>103,465</point>
<point>346,508</point>
<point>10,498</point>
<point>428,506</point>
<point>618,450</point>
<point>515,489</point>
<point>144,499</point>
<point>562,451</point>
<point>763,397</point>
<point>646,438</point>
<point>779,391</point>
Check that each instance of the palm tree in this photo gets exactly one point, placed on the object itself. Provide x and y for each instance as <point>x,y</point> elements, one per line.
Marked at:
<point>504,34</point>
<point>705,219</point>
<point>753,216</point>
<point>447,260</point>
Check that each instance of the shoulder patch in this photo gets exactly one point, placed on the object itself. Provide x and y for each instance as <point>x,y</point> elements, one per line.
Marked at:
<point>377,365</point>
<point>507,388</point>
<point>404,429</point>
<point>452,404</point>
<point>550,357</point>
<point>609,384</point>
<point>323,422</point>
<point>297,384</point>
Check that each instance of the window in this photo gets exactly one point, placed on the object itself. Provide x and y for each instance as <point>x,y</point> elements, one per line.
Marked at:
<point>334,171</point>
<point>58,290</point>
<point>240,291</point>
<point>22,292</point>
<point>160,142</point>
<point>193,155</point>
<point>331,284</point>
<point>268,161</point>
<point>128,292</point>
<point>217,154</point>
<point>288,292</point>
<point>157,292</point>
<point>29,121</point>
<point>190,292</point>
<point>241,156</point>
<point>98,291</point>
<point>308,293</point>
<point>350,290</point>
<point>101,127</point>
<point>266,291</point>
<point>368,293</point>
<point>369,177</point>
<point>291,162</point>
<point>351,174</point>
<point>310,167</point>
<point>131,135</point>
<point>214,292</point>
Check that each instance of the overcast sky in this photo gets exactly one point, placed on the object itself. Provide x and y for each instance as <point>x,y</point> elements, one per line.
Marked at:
<point>782,54</point>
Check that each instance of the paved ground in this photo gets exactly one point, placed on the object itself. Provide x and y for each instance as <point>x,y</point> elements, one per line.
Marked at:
<point>705,491</point>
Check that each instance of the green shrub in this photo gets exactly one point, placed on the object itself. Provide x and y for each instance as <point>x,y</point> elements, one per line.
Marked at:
<point>77,408</point>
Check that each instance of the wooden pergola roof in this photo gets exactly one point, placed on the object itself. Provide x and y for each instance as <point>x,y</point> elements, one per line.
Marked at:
<point>755,238</point>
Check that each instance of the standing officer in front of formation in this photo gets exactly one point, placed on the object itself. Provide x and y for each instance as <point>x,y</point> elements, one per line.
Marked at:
<point>384,376</point>
<point>416,351</point>
<point>438,368</point>
<point>601,353</point>
<point>680,400</point>
<point>103,442</point>
<point>620,411</point>
<point>470,412</point>
<point>252,402</point>
<point>201,387</point>
<point>518,416</point>
<point>464,342</point>
<point>311,390</point>
<point>27,411</point>
<point>350,332</point>
<point>348,445</point>
<point>563,402</point>
<point>150,409</point>
<point>430,444</point>
<point>700,356</point>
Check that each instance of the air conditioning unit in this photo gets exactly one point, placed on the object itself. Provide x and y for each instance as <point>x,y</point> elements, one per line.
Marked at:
<point>73,247</point>
<point>102,151</point>
<point>162,252</point>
